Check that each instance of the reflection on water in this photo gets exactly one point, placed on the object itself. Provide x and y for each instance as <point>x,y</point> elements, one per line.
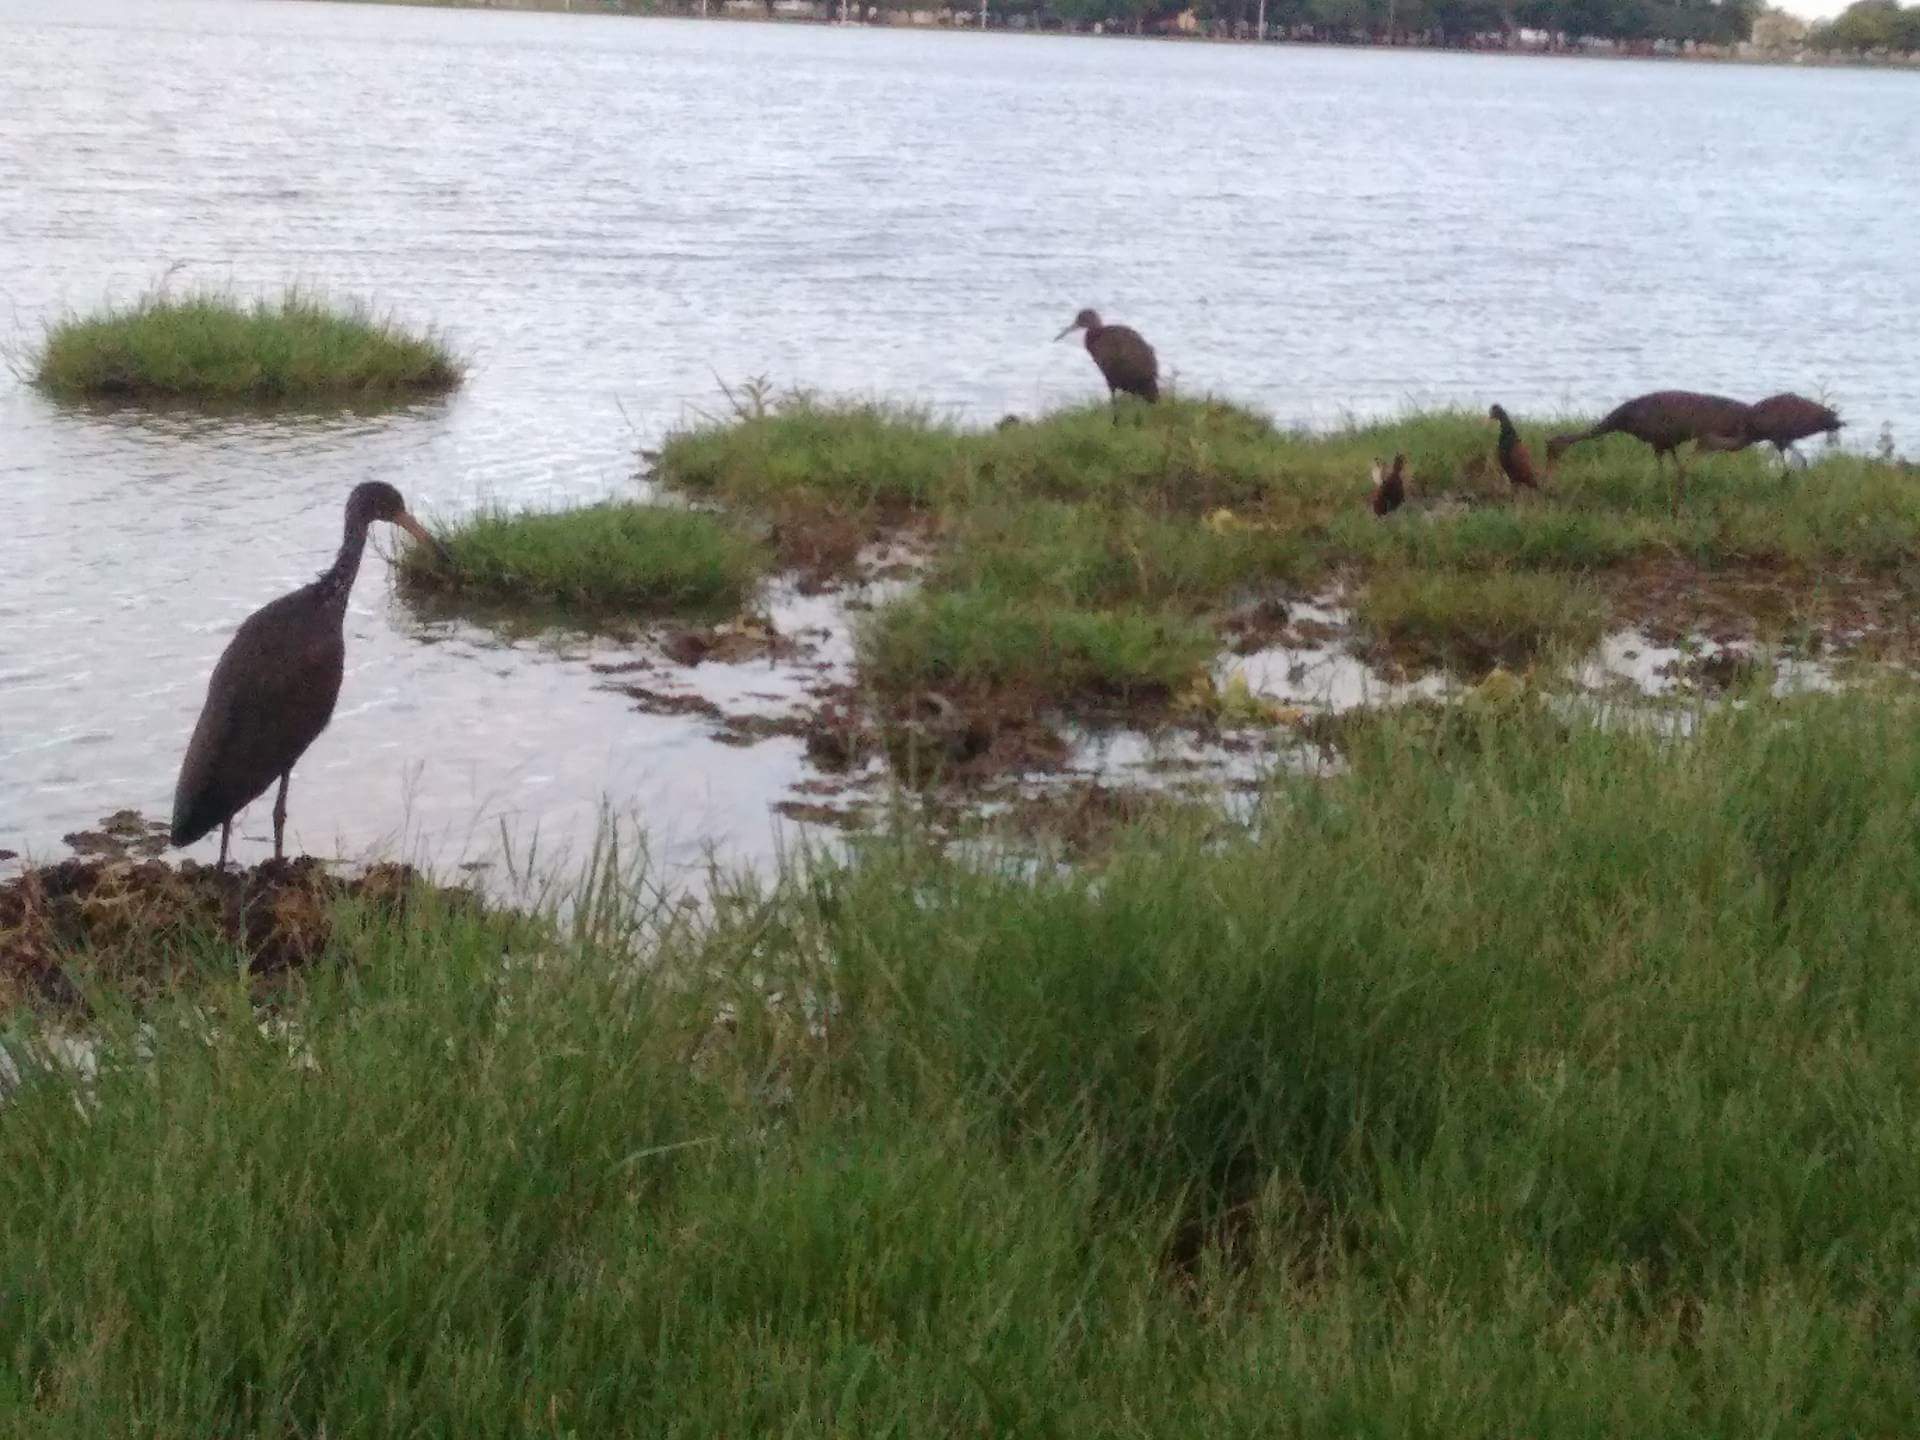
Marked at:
<point>605,213</point>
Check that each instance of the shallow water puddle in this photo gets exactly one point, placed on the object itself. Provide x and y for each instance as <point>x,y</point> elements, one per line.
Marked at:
<point>719,744</point>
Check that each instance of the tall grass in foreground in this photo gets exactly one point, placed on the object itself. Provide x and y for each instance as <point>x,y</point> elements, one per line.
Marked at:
<point>210,346</point>
<point>1535,1078</point>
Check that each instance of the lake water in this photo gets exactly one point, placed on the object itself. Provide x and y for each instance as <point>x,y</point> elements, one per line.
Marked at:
<point>606,213</point>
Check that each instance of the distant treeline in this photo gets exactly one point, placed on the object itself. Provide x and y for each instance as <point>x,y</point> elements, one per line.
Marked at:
<point>1442,22</point>
<point>1871,26</point>
<point>1455,22</point>
<point>1629,24</point>
<point>1868,27</point>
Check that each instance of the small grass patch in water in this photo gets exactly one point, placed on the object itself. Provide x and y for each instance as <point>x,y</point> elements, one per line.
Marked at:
<point>210,346</point>
<point>1473,621</point>
<point>978,639</point>
<point>600,559</point>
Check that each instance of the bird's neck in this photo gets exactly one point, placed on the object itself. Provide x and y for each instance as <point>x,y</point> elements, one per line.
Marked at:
<point>1509,437</point>
<point>1093,333</point>
<point>337,582</point>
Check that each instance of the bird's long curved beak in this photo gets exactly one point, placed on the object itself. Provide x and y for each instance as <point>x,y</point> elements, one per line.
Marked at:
<point>1066,332</point>
<point>419,532</point>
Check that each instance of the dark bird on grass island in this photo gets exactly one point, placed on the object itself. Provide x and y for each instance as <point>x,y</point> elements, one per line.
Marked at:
<point>1783,421</point>
<point>1389,486</point>
<point>273,688</point>
<point>1127,362</point>
<point>1666,420</point>
<point>1515,463</point>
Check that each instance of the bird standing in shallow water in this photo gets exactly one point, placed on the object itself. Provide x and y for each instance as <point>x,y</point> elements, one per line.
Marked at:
<point>1127,362</point>
<point>273,689</point>
<point>1389,486</point>
<point>1515,463</point>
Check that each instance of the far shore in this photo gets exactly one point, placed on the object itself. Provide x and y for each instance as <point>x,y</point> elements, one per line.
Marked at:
<point>753,12</point>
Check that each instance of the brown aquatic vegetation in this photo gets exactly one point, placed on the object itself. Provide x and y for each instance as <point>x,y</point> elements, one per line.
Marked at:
<point>819,812</point>
<point>963,737</point>
<point>1839,612</point>
<point>747,638</point>
<point>649,701</point>
<point>142,924</point>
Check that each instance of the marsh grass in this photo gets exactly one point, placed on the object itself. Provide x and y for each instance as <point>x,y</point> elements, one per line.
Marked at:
<point>1471,621</point>
<point>1133,538</point>
<point>1557,1083</point>
<point>211,346</point>
<point>613,558</point>
<point>979,639</point>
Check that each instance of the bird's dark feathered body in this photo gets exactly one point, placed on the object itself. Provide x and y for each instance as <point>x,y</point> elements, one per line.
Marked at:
<point>1127,362</point>
<point>271,694</point>
<point>1390,488</point>
<point>1515,463</point>
<point>1784,420</point>
<point>273,689</point>
<point>1666,420</point>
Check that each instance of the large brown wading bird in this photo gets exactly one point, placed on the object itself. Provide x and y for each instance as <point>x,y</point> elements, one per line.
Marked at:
<point>1127,362</point>
<point>1666,420</point>
<point>1783,421</point>
<point>275,684</point>
<point>1515,463</point>
<point>1389,486</point>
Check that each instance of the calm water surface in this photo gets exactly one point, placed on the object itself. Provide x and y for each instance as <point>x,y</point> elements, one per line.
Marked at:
<point>606,213</point>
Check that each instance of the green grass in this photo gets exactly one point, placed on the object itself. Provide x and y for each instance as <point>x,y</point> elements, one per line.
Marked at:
<point>1472,621</point>
<point>1606,505</point>
<point>209,346</point>
<point>834,455</point>
<point>1560,1084</point>
<point>1085,553</point>
<point>982,640</point>
<point>598,559</point>
<point>1186,509</point>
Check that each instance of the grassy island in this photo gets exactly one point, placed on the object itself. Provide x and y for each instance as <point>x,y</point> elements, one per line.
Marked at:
<point>1073,557</point>
<point>596,560</point>
<point>210,346</point>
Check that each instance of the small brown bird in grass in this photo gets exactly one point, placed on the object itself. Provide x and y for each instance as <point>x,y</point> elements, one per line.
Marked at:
<point>1784,420</point>
<point>274,686</point>
<point>1127,362</point>
<point>1515,463</point>
<point>1389,486</point>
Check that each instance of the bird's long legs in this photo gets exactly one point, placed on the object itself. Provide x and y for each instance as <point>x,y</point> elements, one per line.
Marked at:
<point>226,831</point>
<point>280,814</point>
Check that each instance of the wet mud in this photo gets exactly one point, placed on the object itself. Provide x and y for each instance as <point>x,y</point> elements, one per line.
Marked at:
<point>140,925</point>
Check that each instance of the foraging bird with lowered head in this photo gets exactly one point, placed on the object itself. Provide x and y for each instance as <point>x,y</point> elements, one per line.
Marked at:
<point>1515,463</point>
<point>1666,420</point>
<point>1784,420</point>
<point>1389,486</point>
<point>1127,362</point>
<point>273,689</point>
